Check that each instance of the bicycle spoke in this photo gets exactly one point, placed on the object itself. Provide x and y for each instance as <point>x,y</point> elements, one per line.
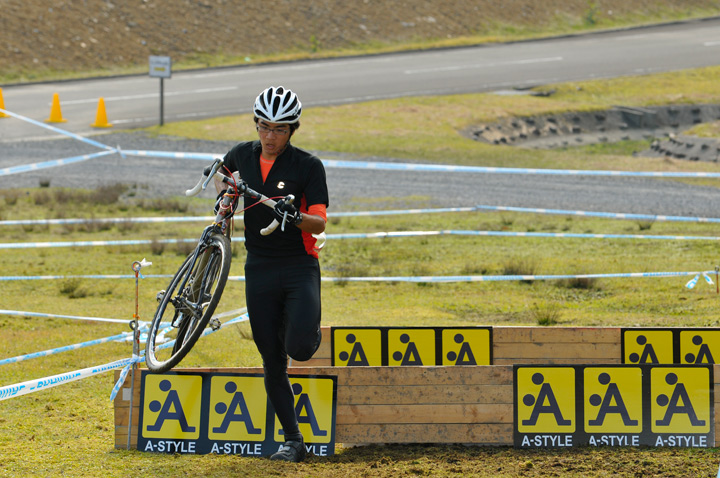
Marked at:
<point>188,303</point>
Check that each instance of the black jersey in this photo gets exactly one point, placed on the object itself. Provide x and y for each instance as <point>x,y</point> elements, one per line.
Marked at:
<point>296,172</point>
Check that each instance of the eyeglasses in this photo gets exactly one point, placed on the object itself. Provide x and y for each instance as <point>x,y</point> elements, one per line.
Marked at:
<point>277,131</point>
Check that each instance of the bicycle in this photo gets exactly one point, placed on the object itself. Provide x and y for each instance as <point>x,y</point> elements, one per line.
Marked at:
<point>196,288</point>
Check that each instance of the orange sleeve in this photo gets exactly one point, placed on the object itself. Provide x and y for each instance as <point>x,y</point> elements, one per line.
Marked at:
<point>318,210</point>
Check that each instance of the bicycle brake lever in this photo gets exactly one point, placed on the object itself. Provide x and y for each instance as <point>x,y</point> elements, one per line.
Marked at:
<point>289,200</point>
<point>202,184</point>
<point>282,226</point>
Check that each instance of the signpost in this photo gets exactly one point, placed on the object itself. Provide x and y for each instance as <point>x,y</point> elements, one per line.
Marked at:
<point>161,67</point>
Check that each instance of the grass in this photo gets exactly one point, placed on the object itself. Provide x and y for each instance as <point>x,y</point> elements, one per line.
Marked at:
<point>69,430</point>
<point>430,128</point>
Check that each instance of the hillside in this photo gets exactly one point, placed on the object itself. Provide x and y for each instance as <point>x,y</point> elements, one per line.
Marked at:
<point>49,38</point>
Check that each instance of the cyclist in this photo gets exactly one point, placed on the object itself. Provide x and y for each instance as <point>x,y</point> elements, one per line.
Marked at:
<point>282,273</point>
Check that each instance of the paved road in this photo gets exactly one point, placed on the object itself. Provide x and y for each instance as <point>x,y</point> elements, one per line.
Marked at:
<point>134,101</point>
<point>364,189</point>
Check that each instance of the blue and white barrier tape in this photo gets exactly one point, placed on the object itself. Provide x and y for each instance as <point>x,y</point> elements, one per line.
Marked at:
<point>51,164</point>
<point>373,235</point>
<point>18,389</point>
<point>66,348</point>
<point>566,235</point>
<point>107,220</point>
<point>58,130</point>
<point>644,217</point>
<point>423,278</point>
<point>123,374</point>
<point>510,277</point>
<point>112,220</point>
<point>391,212</point>
<point>611,215</point>
<point>691,284</point>
<point>445,168</point>
<point>58,316</point>
<point>381,166</point>
<point>78,276</point>
<point>171,154</point>
<point>129,242</point>
<point>135,359</point>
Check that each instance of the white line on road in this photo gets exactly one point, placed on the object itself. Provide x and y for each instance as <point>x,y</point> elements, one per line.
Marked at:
<point>484,65</point>
<point>151,95</point>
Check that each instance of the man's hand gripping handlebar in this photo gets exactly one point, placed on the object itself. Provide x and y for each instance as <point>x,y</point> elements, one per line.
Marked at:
<point>242,188</point>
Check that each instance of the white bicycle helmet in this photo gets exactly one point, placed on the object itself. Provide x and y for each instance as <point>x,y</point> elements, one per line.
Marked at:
<point>278,105</point>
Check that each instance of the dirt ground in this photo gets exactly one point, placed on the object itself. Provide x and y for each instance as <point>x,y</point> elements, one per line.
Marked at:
<point>92,35</point>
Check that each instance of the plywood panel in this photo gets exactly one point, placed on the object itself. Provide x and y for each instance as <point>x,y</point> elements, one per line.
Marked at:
<point>489,434</point>
<point>458,375</point>
<point>553,350</point>
<point>557,334</point>
<point>418,414</point>
<point>424,394</point>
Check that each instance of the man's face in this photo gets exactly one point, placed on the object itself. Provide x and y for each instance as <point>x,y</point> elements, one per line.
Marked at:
<point>273,137</point>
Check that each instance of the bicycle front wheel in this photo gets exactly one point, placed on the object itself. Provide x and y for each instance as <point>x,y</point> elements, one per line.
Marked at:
<point>188,303</point>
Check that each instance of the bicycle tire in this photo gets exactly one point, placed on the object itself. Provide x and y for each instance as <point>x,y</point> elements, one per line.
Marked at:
<point>203,275</point>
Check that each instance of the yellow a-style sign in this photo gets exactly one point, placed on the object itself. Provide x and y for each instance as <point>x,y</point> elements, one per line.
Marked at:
<point>228,413</point>
<point>545,400</point>
<point>313,408</point>
<point>411,347</point>
<point>238,407</point>
<point>699,346</point>
<point>613,400</point>
<point>681,400</point>
<point>648,346</point>
<point>466,346</point>
<point>172,406</point>
<point>357,347</point>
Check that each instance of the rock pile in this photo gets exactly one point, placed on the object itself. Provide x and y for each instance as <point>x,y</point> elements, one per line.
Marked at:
<point>663,123</point>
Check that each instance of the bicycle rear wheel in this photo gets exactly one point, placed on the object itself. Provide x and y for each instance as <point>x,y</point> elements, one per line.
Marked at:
<point>188,303</point>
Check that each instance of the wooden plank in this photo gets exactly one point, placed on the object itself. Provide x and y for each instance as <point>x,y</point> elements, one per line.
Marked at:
<point>424,394</point>
<point>435,414</point>
<point>557,361</point>
<point>486,434</point>
<point>313,362</point>
<point>436,375</point>
<point>122,414</point>
<point>550,350</point>
<point>121,439</point>
<point>557,334</point>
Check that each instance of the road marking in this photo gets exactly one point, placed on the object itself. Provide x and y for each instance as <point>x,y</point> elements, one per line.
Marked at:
<point>484,65</point>
<point>150,95</point>
<point>711,43</point>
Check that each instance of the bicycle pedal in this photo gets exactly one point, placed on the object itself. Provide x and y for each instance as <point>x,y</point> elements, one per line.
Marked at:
<point>160,296</point>
<point>215,324</point>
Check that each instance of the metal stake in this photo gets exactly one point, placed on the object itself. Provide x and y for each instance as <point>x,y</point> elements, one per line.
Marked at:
<point>136,266</point>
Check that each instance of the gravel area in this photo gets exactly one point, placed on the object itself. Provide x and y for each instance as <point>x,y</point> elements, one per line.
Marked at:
<point>354,189</point>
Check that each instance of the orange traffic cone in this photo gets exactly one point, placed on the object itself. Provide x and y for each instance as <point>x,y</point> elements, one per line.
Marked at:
<point>2,106</point>
<point>101,116</point>
<point>55,113</point>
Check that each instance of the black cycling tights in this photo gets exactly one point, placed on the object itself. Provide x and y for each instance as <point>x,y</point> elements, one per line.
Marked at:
<point>283,301</point>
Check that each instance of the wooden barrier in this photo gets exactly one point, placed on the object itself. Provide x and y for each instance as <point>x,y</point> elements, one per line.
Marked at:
<point>529,345</point>
<point>395,404</point>
<point>556,345</point>
<point>458,404</point>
